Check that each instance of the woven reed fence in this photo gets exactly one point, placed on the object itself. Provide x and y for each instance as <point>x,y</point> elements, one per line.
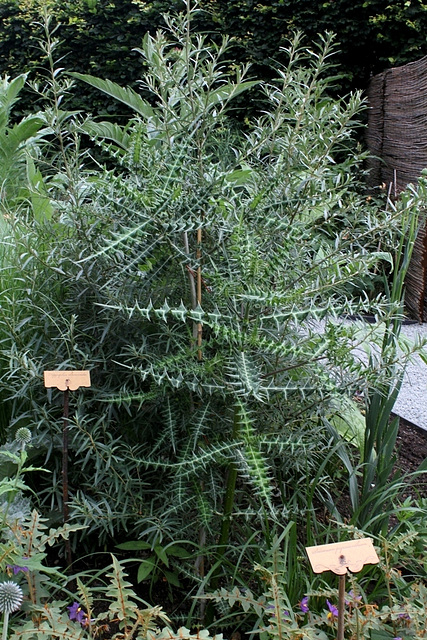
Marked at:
<point>397,137</point>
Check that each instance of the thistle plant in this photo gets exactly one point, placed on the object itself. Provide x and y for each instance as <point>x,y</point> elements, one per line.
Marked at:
<point>245,255</point>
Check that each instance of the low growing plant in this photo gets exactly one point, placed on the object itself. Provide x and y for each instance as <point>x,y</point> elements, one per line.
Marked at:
<point>121,613</point>
<point>161,562</point>
<point>400,612</point>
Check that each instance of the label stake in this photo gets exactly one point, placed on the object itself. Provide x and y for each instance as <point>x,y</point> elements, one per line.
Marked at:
<point>66,381</point>
<point>338,557</point>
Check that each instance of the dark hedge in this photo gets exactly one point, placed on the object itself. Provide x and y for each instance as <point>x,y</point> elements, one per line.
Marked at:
<point>97,37</point>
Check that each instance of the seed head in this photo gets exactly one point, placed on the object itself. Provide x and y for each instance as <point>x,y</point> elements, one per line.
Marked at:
<point>11,596</point>
<point>23,435</point>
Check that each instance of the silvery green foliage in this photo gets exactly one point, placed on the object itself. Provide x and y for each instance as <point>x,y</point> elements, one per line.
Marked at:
<point>200,272</point>
<point>18,511</point>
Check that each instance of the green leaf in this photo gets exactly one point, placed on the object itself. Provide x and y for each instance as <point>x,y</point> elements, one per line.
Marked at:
<point>108,131</point>
<point>14,87</point>
<point>25,129</point>
<point>144,570</point>
<point>161,553</point>
<point>229,91</point>
<point>128,96</point>
<point>9,90</point>
<point>135,545</point>
<point>13,485</point>
<point>172,578</point>
<point>239,177</point>
<point>178,552</point>
<point>42,205</point>
<point>121,593</point>
<point>8,454</point>
<point>349,421</point>
<point>380,634</point>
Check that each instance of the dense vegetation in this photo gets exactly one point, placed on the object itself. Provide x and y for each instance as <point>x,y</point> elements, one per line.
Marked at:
<point>205,274</point>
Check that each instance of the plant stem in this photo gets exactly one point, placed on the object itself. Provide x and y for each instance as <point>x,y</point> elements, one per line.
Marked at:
<point>5,625</point>
<point>228,501</point>
<point>199,292</point>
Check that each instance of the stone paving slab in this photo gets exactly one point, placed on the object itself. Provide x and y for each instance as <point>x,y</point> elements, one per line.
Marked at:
<point>411,403</point>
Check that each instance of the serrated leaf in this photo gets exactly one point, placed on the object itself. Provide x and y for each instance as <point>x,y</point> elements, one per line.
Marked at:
<point>239,177</point>
<point>108,131</point>
<point>128,96</point>
<point>24,130</point>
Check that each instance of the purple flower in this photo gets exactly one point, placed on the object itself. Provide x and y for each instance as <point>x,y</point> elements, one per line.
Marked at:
<point>76,613</point>
<point>303,605</point>
<point>285,613</point>
<point>398,638</point>
<point>16,569</point>
<point>352,598</point>
<point>404,616</point>
<point>333,611</point>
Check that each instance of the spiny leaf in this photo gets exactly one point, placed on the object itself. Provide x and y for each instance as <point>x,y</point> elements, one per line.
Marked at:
<point>122,595</point>
<point>110,131</point>
<point>127,95</point>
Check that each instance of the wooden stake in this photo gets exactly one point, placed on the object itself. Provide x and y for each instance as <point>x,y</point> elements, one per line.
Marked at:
<point>66,381</point>
<point>341,607</point>
<point>338,557</point>
<point>65,510</point>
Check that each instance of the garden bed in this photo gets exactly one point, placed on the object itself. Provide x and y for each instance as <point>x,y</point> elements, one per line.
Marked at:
<point>412,443</point>
<point>412,451</point>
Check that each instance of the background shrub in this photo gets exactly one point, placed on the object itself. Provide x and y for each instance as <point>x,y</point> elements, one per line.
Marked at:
<point>98,37</point>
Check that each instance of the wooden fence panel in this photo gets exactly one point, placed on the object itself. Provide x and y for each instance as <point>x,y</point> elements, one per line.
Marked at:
<point>397,137</point>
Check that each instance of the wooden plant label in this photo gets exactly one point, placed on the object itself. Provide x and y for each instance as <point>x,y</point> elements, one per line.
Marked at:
<point>64,380</point>
<point>340,556</point>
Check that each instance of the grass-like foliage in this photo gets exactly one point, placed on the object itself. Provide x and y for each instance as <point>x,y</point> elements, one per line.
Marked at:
<point>200,271</point>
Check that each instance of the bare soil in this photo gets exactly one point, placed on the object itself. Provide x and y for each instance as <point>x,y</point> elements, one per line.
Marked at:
<point>411,452</point>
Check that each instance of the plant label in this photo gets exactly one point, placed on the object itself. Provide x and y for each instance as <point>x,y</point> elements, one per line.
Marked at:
<point>340,556</point>
<point>64,380</point>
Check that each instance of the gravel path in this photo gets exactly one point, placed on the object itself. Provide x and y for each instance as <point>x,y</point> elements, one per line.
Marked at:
<point>411,403</point>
